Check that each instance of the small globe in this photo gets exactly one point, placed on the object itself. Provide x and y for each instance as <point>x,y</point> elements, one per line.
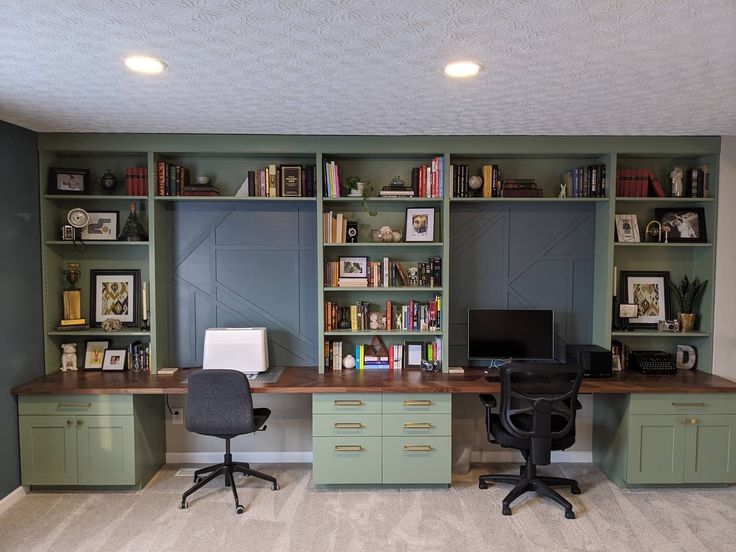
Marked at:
<point>475,182</point>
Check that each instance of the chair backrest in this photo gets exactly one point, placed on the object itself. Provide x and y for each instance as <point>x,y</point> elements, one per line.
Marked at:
<point>538,402</point>
<point>219,403</point>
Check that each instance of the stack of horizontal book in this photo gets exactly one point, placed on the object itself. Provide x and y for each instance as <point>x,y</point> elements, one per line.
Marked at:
<point>520,187</point>
<point>203,190</point>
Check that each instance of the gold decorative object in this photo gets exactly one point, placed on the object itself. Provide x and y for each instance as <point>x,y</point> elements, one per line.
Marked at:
<point>687,321</point>
<point>112,325</point>
<point>72,299</point>
<point>653,232</point>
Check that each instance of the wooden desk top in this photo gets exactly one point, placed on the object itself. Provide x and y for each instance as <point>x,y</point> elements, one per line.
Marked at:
<point>300,379</point>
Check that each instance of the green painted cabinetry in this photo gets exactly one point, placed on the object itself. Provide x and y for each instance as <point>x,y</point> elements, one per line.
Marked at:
<point>96,440</point>
<point>666,439</point>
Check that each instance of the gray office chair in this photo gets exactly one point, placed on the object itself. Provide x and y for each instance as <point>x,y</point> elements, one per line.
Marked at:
<point>220,404</point>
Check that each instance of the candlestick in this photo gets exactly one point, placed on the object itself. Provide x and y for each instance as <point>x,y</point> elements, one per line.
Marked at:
<point>144,302</point>
<point>615,281</point>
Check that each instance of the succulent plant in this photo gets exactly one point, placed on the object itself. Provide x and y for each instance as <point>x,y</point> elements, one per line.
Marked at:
<point>688,293</point>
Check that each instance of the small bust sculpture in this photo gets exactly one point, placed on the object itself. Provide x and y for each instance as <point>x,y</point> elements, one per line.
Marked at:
<point>69,357</point>
<point>677,188</point>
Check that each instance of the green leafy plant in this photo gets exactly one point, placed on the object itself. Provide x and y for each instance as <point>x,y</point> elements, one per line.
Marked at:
<point>351,183</point>
<point>688,293</point>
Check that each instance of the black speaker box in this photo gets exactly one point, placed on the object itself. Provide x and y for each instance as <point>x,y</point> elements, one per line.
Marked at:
<point>595,360</point>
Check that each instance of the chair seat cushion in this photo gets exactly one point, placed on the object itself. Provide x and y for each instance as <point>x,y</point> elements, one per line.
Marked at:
<point>505,439</point>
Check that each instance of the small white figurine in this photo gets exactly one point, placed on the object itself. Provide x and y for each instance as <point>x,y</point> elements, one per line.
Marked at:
<point>69,357</point>
<point>563,190</point>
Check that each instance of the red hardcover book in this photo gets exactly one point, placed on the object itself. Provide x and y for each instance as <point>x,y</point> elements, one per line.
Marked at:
<point>162,178</point>
<point>142,182</point>
<point>643,183</point>
<point>656,186</point>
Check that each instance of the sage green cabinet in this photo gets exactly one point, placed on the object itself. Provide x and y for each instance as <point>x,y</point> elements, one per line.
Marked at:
<point>710,449</point>
<point>656,448</point>
<point>48,450</point>
<point>105,450</point>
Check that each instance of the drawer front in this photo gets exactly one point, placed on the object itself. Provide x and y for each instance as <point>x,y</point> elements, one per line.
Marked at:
<point>337,425</point>
<point>350,403</point>
<point>93,405</point>
<point>346,460</point>
<point>431,403</point>
<point>417,460</point>
<point>399,425</point>
<point>683,403</point>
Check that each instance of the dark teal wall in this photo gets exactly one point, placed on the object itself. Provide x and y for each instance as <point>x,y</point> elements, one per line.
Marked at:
<point>21,338</point>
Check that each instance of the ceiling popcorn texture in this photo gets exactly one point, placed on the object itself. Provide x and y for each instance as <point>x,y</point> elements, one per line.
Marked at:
<point>371,66</point>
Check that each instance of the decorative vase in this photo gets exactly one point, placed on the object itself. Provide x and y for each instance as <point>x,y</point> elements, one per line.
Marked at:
<point>344,323</point>
<point>108,182</point>
<point>687,321</point>
<point>348,362</point>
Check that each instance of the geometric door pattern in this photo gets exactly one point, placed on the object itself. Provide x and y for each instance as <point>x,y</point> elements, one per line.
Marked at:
<point>241,266</point>
<point>522,257</point>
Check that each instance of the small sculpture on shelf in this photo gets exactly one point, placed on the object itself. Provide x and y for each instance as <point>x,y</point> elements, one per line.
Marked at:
<point>72,301</point>
<point>132,229</point>
<point>677,187</point>
<point>69,357</point>
<point>385,234</point>
<point>108,182</point>
<point>344,323</point>
<point>112,325</point>
<point>563,190</point>
<point>413,275</point>
<point>348,362</point>
<point>653,232</point>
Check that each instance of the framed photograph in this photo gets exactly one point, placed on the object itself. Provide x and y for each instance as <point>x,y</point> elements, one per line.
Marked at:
<point>68,181</point>
<point>682,224</point>
<point>115,294</point>
<point>628,310</point>
<point>94,354</point>
<point>114,359</point>
<point>627,229</point>
<point>413,354</point>
<point>650,291</point>
<point>103,225</point>
<point>419,224</point>
<point>353,267</point>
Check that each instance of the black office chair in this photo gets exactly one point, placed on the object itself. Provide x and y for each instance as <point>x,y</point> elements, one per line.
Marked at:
<point>537,415</point>
<point>220,404</point>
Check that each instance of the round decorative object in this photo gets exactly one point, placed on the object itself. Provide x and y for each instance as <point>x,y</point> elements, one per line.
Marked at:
<point>385,234</point>
<point>108,182</point>
<point>203,180</point>
<point>348,362</point>
<point>475,182</point>
<point>397,182</point>
<point>344,323</point>
<point>112,325</point>
<point>78,218</point>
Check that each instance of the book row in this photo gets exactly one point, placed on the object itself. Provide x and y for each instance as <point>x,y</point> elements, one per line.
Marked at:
<point>412,316</point>
<point>589,181</point>
<point>136,181</point>
<point>408,355</point>
<point>691,182</point>
<point>360,272</point>
<point>281,181</point>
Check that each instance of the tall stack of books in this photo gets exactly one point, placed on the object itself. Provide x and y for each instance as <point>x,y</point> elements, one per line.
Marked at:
<point>136,181</point>
<point>334,227</point>
<point>201,190</point>
<point>282,181</point>
<point>429,180</point>
<point>387,273</point>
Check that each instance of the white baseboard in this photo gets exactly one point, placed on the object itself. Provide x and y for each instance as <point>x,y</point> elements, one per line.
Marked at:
<point>490,456</point>
<point>254,457</point>
<point>12,498</point>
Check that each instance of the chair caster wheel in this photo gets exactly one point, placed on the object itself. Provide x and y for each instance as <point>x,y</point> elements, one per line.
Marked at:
<point>183,505</point>
<point>575,490</point>
<point>569,514</point>
<point>275,487</point>
<point>506,510</point>
<point>482,485</point>
<point>239,509</point>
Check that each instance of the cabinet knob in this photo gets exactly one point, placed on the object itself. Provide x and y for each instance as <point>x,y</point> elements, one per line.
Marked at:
<point>79,423</point>
<point>69,422</point>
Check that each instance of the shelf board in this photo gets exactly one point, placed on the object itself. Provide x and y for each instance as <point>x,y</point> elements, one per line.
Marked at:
<point>234,199</point>
<point>95,242</point>
<point>110,197</point>
<point>394,289</point>
<point>97,332</point>
<point>383,199</point>
<point>655,333</point>
<point>382,244</point>
<point>528,199</point>
<point>665,199</point>
<point>656,244</point>
<point>382,332</point>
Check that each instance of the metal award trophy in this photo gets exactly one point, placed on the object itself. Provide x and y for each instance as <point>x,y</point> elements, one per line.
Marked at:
<point>72,300</point>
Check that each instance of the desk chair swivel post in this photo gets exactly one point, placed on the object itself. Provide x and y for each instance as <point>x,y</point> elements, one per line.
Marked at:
<point>220,404</point>
<point>537,415</point>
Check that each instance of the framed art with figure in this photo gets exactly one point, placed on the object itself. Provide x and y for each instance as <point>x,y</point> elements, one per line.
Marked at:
<point>650,291</point>
<point>682,224</point>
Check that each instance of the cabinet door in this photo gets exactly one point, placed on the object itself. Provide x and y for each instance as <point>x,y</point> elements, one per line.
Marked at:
<point>710,448</point>
<point>105,450</point>
<point>48,450</point>
<point>656,449</point>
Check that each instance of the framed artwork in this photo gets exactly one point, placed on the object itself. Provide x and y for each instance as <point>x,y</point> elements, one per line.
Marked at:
<point>115,294</point>
<point>68,181</point>
<point>419,224</point>
<point>682,224</point>
<point>353,267</point>
<point>114,359</point>
<point>627,229</point>
<point>103,225</point>
<point>94,354</point>
<point>413,354</point>
<point>650,291</point>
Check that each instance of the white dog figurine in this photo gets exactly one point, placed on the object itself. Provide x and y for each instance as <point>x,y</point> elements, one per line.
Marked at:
<point>69,357</point>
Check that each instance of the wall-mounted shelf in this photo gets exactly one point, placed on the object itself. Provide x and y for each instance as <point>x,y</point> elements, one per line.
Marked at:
<point>655,333</point>
<point>390,289</point>
<point>529,199</point>
<point>93,332</point>
<point>381,332</point>
<point>435,200</point>
<point>662,245</point>
<point>214,199</point>
<point>97,197</point>
<point>664,200</point>
<point>81,245</point>
<point>389,245</point>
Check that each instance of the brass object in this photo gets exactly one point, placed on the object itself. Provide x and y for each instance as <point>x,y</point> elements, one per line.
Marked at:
<point>687,321</point>
<point>346,402</point>
<point>348,448</point>
<point>693,421</point>
<point>112,325</point>
<point>653,232</point>
<point>348,425</point>
<point>417,448</point>
<point>417,403</point>
<point>688,405</point>
<point>72,296</point>
<point>417,425</point>
<point>75,405</point>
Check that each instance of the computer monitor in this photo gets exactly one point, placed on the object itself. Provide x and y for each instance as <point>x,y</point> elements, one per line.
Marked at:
<point>509,334</point>
<point>242,349</point>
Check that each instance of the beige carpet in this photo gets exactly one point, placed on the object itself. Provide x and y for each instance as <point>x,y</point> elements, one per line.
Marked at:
<point>299,518</point>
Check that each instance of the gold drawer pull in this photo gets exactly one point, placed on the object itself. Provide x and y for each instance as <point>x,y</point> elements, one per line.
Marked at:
<point>686,405</point>
<point>348,448</point>
<point>417,448</point>
<point>418,425</point>
<point>345,402</point>
<point>348,425</point>
<point>75,405</point>
<point>417,403</point>
<point>692,421</point>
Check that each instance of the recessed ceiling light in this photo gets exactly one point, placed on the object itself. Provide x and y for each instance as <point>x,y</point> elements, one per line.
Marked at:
<point>462,69</point>
<point>145,64</point>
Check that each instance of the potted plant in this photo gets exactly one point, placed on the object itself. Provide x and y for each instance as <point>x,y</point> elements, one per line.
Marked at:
<point>359,188</point>
<point>687,294</point>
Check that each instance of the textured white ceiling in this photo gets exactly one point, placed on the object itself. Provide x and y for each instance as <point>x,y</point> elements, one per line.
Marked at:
<point>371,66</point>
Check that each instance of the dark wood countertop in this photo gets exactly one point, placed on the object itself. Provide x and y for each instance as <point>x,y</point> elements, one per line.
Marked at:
<point>302,379</point>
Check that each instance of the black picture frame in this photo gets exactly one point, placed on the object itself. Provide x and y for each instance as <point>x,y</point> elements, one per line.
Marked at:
<point>105,299</point>
<point>64,181</point>
<point>650,290</point>
<point>685,224</point>
<point>408,347</point>
<point>353,267</point>
<point>91,232</point>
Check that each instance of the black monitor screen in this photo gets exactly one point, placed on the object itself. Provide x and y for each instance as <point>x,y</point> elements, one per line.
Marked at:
<point>501,333</point>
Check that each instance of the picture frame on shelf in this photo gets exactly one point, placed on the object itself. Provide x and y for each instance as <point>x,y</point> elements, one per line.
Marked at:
<point>353,267</point>
<point>650,291</point>
<point>419,225</point>
<point>115,360</point>
<point>69,181</point>
<point>102,226</point>
<point>682,224</point>
<point>413,354</point>
<point>115,294</point>
<point>94,354</point>
<point>627,229</point>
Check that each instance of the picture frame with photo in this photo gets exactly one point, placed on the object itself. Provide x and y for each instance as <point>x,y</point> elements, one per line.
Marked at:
<point>115,360</point>
<point>102,226</point>
<point>68,181</point>
<point>413,354</point>
<point>627,228</point>
<point>115,294</point>
<point>419,224</point>
<point>650,291</point>
<point>682,224</point>
<point>353,267</point>
<point>94,354</point>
